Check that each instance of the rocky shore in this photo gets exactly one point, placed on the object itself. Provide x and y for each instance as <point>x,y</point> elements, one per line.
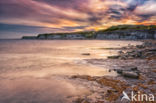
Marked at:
<point>136,69</point>
<point>41,73</point>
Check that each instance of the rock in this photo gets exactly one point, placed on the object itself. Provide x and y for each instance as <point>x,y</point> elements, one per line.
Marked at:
<point>86,54</point>
<point>134,68</point>
<point>120,52</point>
<point>152,49</point>
<point>140,46</point>
<point>129,68</point>
<point>119,71</point>
<point>128,71</point>
<point>109,70</point>
<point>130,74</point>
<point>113,57</point>
<point>124,47</point>
<point>123,57</point>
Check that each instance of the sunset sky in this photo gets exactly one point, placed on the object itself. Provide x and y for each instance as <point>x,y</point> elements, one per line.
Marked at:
<point>30,17</point>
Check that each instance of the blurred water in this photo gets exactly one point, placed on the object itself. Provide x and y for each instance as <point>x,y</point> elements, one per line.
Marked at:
<point>24,65</point>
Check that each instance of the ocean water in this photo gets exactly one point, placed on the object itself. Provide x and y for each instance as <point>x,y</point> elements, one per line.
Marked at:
<point>37,71</point>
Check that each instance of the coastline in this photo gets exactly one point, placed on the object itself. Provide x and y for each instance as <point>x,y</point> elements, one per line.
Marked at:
<point>90,79</point>
<point>119,32</point>
<point>144,83</point>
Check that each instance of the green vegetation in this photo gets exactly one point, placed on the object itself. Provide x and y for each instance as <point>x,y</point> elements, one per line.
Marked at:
<point>129,27</point>
<point>87,34</point>
<point>91,34</point>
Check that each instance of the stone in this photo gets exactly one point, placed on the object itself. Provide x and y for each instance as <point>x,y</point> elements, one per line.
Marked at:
<point>152,49</point>
<point>86,54</point>
<point>129,68</point>
<point>140,46</point>
<point>109,70</point>
<point>113,57</point>
<point>120,52</point>
<point>130,74</point>
<point>119,71</point>
<point>133,68</point>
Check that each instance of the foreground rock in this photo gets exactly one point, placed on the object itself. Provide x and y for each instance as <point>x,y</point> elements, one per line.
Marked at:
<point>114,88</point>
<point>145,51</point>
<point>130,72</point>
<point>136,68</point>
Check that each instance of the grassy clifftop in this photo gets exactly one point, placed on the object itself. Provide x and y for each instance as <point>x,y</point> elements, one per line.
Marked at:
<point>129,27</point>
<point>87,34</point>
<point>112,28</point>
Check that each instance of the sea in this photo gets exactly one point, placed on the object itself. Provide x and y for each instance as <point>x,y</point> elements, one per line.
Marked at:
<point>39,71</point>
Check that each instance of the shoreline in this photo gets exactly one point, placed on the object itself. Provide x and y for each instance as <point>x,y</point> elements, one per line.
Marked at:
<point>82,81</point>
<point>144,83</point>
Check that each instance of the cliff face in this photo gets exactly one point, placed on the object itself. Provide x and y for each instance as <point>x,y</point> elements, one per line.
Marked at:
<point>29,37</point>
<point>61,36</point>
<point>125,32</point>
<point>128,34</point>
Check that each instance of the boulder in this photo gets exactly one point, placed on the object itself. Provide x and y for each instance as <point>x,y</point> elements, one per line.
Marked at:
<point>130,74</point>
<point>128,71</point>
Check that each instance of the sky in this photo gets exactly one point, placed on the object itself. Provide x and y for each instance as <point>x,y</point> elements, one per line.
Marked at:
<point>31,17</point>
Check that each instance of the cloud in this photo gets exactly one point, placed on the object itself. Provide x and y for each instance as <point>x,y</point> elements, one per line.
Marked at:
<point>147,9</point>
<point>68,15</point>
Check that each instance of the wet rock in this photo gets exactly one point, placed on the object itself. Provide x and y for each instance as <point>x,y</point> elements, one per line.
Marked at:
<point>128,71</point>
<point>120,52</point>
<point>134,68</point>
<point>119,71</point>
<point>149,53</point>
<point>140,46</point>
<point>123,57</point>
<point>130,74</point>
<point>124,47</point>
<point>129,68</point>
<point>152,49</point>
<point>86,54</point>
<point>109,70</point>
<point>113,57</point>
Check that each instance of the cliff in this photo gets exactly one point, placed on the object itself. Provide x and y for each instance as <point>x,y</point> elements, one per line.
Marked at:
<point>127,32</point>
<point>29,37</point>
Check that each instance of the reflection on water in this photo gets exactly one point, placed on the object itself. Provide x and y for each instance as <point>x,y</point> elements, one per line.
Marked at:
<point>31,90</point>
<point>25,64</point>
